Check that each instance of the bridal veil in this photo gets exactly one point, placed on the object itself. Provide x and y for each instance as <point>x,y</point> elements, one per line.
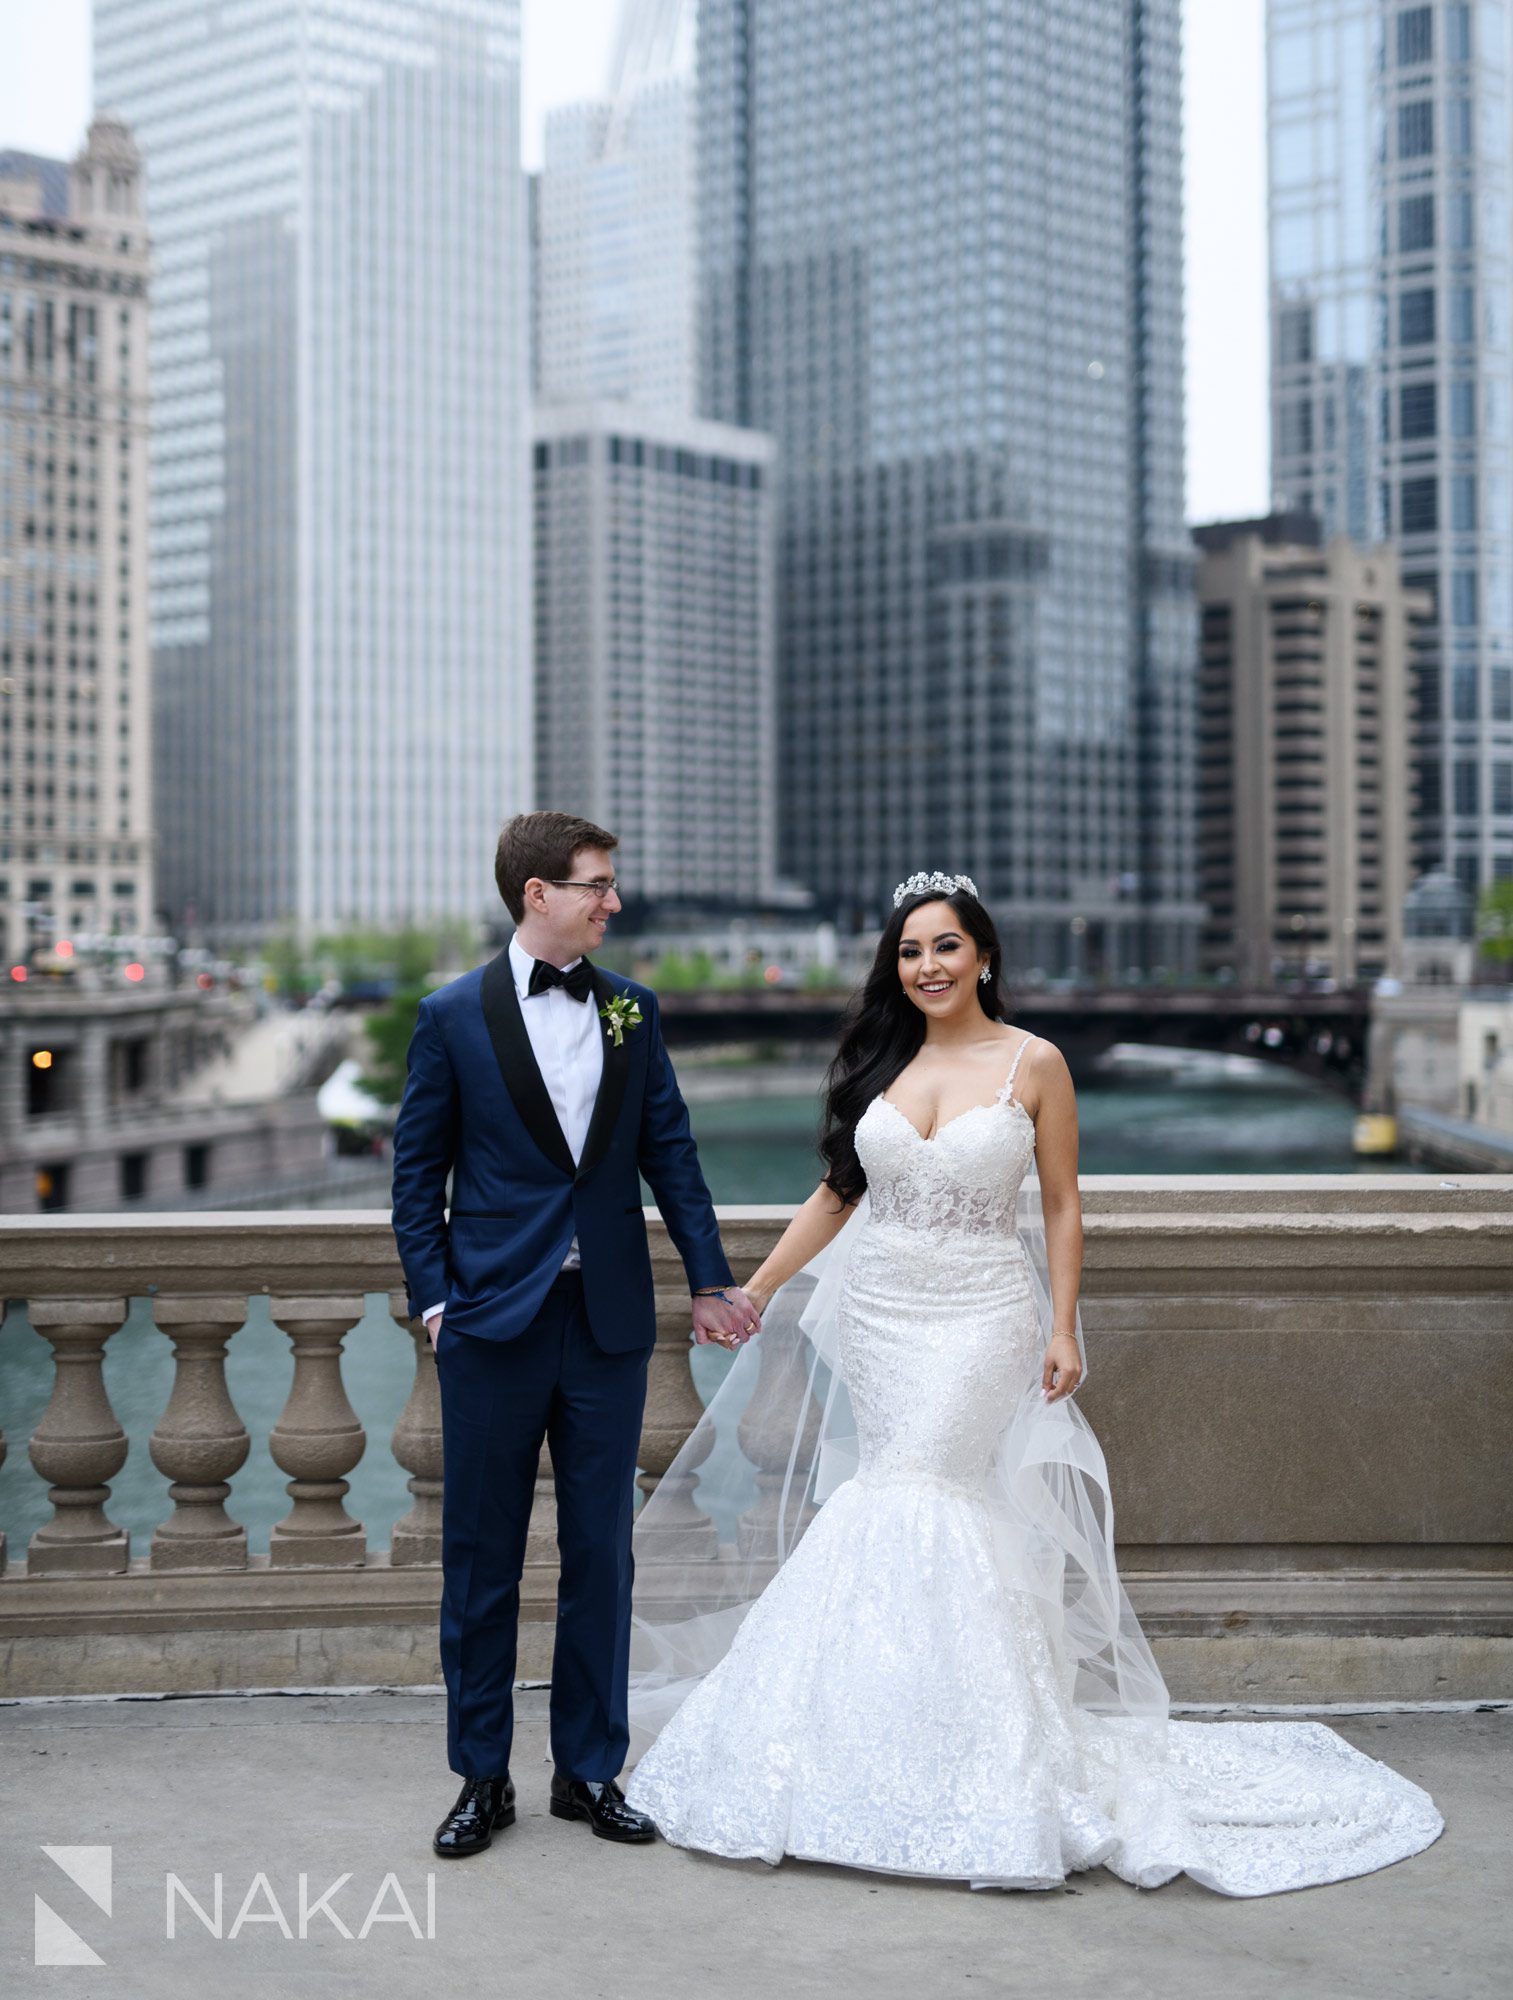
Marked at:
<point>776,1439</point>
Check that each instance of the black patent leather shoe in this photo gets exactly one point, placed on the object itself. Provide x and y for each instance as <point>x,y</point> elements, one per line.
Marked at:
<point>602,1805</point>
<point>482,1805</point>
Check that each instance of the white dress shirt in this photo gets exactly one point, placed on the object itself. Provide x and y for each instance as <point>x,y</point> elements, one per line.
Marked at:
<point>569,1051</point>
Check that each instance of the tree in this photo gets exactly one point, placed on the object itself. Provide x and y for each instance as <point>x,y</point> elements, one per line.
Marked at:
<point>389,1029</point>
<point>1494,921</point>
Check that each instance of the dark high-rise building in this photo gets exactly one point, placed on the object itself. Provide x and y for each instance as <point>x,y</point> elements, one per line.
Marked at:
<point>941,262</point>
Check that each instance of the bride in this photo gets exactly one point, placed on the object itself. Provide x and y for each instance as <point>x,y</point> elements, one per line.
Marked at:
<point>889,1631</point>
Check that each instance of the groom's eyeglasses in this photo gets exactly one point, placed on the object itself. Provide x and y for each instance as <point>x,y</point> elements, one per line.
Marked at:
<point>598,889</point>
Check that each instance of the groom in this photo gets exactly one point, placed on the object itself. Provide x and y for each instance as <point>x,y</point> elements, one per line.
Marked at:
<point>541,1084</point>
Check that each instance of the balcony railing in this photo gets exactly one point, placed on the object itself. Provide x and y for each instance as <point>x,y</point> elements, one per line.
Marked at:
<point>1304,1387</point>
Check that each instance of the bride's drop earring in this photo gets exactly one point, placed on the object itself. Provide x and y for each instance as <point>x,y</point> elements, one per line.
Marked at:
<point>985,975</point>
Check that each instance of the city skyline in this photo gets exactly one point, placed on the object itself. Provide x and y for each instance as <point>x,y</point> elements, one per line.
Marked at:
<point>45,106</point>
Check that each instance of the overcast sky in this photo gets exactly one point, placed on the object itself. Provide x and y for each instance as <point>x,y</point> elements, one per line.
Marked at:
<point>44,107</point>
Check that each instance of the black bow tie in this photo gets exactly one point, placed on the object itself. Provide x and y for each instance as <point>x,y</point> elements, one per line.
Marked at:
<point>578,980</point>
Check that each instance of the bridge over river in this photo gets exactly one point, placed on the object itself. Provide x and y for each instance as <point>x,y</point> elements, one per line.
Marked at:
<point>1322,1035</point>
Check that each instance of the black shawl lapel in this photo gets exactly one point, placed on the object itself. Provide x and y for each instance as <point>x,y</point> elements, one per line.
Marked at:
<point>518,1065</point>
<point>611,1084</point>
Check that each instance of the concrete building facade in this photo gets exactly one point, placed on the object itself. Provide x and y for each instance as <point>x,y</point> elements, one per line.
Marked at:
<point>1304,795</point>
<point>654,645</point>
<point>76,792</point>
<point>340,526</point>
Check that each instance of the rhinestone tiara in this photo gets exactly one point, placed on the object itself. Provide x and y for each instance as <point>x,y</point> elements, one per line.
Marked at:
<point>919,885</point>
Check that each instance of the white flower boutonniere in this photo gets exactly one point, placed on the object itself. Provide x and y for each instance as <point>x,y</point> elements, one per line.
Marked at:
<point>620,1013</point>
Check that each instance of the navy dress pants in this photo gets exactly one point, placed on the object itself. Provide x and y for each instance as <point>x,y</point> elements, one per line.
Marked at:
<point>499,1399</point>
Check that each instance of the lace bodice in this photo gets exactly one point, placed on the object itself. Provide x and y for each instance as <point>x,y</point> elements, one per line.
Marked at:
<point>963,1179</point>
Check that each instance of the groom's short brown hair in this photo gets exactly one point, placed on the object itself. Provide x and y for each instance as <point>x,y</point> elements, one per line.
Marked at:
<point>541,843</point>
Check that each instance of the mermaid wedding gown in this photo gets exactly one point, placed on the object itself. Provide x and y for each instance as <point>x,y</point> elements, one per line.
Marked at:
<point>905,1695</point>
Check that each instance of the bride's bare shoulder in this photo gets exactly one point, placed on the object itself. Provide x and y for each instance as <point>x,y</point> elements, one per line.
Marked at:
<point>1042,1074</point>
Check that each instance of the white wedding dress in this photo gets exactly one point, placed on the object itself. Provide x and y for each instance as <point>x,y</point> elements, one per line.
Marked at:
<point>893,1700</point>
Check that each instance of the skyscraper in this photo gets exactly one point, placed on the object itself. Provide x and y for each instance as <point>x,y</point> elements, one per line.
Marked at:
<point>75,768</point>
<point>340,469</point>
<point>653,624</point>
<point>615,250</point>
<point>1390,170</point>
<point>1303,757</point>
<point>940,261</point>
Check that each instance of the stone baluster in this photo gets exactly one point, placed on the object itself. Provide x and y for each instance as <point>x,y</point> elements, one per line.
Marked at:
<point>317,1439</point>
<point>684,1532</point>
<point>2,1531</point>
<point>200,1440</point>
<point>784,1378</point>
<point>78,1447</point>
<point>417,1447</point>
<point>541,1539</point>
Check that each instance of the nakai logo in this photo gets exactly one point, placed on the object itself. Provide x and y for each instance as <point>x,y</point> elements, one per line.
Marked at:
<point>55,1942</point>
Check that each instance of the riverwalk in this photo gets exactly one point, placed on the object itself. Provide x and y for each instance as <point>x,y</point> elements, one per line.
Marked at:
<point>327,1785</point>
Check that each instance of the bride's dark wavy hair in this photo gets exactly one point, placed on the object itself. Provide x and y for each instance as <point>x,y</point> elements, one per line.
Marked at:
<point>882,1030</point>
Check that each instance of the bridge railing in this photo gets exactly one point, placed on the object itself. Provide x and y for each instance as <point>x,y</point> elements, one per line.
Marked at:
<point>1304,1387</point>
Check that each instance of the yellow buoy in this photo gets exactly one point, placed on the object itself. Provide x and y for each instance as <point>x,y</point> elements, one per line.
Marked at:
<point>1375,1132</point>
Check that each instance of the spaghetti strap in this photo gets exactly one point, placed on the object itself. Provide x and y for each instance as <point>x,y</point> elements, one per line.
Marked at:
<point>1008,1089</point>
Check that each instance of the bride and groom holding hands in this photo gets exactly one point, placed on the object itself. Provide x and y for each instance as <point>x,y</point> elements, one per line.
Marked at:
<point>939,1673</point>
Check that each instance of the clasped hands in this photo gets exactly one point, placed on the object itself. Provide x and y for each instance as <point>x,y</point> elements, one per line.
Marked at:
<point>728,1317</point>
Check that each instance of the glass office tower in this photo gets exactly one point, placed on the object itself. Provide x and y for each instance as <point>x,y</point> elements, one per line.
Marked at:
<point>614,272</point>
<point>1390,250</point>
<point>941,262</point>
<point>340,531</point>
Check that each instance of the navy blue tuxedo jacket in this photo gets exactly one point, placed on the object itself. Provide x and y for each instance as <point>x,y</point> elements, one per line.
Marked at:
<point>475,1106</point>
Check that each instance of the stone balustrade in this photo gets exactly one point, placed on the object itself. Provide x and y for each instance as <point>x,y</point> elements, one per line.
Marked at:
<point>1304,1387</point>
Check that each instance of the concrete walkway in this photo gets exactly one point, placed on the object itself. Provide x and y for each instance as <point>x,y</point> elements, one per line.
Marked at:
<point>333,1784</point>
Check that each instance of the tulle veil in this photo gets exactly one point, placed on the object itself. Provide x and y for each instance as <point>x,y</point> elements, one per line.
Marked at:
<point>778,1436</point>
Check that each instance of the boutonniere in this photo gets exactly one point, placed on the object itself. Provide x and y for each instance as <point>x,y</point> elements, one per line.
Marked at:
<point>620,1013</point>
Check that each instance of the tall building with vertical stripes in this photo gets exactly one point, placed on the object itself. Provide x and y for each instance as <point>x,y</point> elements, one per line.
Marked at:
<point>940,261</point>
<point>1392,370</point>
<point>340,525</point>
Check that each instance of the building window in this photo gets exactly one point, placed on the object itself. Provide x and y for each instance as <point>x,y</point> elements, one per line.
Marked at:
<point>1463,409</point>
<point>1415,222</point>
<point>1295,429</point>
<point>1419,506</point>
<point>1418,410</point>
<point>133,1176</point>
<point>1415,129</point>
<point>1467,786</point>
<point>1502,786</point>
<point>51,1183</point>
<point>1415,36</point>
<point>49,1081</point>
<point>197,1166</point>
<point>1415,317</point>
<point>1463,597</point>
<point>1464,704</point>
<point>1295,336</point>
<point>1463,502</point>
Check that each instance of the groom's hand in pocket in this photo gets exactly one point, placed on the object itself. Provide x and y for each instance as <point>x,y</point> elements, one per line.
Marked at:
<point>433,1328</point>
